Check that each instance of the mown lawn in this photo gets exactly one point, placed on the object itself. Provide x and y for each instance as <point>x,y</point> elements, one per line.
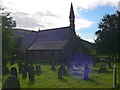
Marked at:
<point>49,79</point>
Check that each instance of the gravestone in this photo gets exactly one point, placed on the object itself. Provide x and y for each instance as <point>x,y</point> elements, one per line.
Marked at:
<point>53,66</point>
<point>31,73</point>
<point>64,70</point>
<point>11,82</point>
<point>114,77</point>
<point>5,70</point>
<point>20,67</point>
<point>13,71</point>
<point>86,72</point>
<point>38,69</point>
<point>102,67</point>
<point>26,65</point>
<point>24,71</point>
<point>60,72</point>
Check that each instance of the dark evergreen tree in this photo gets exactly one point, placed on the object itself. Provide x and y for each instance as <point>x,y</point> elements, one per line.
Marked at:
<point>107,42</point>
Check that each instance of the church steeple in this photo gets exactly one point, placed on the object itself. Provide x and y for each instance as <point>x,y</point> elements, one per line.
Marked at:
<point>72,19</point>
<point>71,12</point>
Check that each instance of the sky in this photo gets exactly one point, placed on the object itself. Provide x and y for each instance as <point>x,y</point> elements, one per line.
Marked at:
<point>47,14</point>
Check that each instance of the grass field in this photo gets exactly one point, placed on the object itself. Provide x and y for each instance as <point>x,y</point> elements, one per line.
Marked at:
<point>49,79</point>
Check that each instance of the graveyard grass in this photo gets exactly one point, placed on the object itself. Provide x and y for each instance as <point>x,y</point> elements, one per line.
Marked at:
<point>49,79</point>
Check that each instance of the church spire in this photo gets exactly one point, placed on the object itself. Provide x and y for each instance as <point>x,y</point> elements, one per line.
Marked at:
<point>72,18</point>
<point>71,12</point>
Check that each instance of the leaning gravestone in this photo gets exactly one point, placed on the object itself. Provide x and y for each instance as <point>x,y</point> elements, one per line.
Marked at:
<point>60,73</point>
<point>11,82</point>
<point>13,71</point>
<point>38,69</point>
<point>5,70</point>
<point>31,73</point>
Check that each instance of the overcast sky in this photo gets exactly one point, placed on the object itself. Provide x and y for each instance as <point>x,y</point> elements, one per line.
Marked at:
<point>46,14</point>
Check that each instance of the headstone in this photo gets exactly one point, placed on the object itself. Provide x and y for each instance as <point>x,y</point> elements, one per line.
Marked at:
<point>64,70</point>
<point>53,66</point>
<point>20,67</point>
<point>102,67</point>
<point>11,82</point>
<point>26,67</point>
<point>60,73</point>
<point>5,70</point>
<point>114,77</point>
<point>24,71</point>
<point>13,71</point>
<point>31,73</point>
<point>38,69</point>
<point>86,72</point>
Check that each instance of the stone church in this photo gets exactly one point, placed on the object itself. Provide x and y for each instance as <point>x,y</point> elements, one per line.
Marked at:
<point>54,44</point>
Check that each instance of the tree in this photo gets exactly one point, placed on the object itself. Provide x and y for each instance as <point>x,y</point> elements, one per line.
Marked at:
<point>8,42</point>
<point>108,36</point>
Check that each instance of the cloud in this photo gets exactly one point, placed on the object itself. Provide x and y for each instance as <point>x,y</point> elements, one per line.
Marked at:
<point>25,20</point>
<point>83,23</point>
<point>51,13</point>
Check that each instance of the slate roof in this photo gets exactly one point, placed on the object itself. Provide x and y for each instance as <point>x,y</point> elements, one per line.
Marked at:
<point>49,39</point>
<point>56,45</point>
<point>27,40</point>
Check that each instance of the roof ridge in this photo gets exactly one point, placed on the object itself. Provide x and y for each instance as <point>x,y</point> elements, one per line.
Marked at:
<point>53,29</point>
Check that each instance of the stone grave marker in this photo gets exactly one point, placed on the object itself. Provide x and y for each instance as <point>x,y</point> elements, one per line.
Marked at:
<point>86,71</point>
<point>60,73</point>
<point>64,70</point>
<point>114,77</point>
<point>38,69</point>
<point>24,71</point>
<point>13,71</point>
<point>11,82</point>
<point>31,73</point>
<point>20,67</point>
<point>53,66</point>
<point>102,67</point>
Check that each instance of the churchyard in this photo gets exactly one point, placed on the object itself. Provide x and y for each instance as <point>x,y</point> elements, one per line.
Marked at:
<point>47,76</point>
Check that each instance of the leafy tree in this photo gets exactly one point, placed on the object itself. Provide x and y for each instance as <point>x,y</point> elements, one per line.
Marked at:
<point>108,36</point>
<point>8,42</point>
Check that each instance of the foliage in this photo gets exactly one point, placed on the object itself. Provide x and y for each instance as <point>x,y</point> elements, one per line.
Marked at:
<point>108,35</point>
<point>8,42</point>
